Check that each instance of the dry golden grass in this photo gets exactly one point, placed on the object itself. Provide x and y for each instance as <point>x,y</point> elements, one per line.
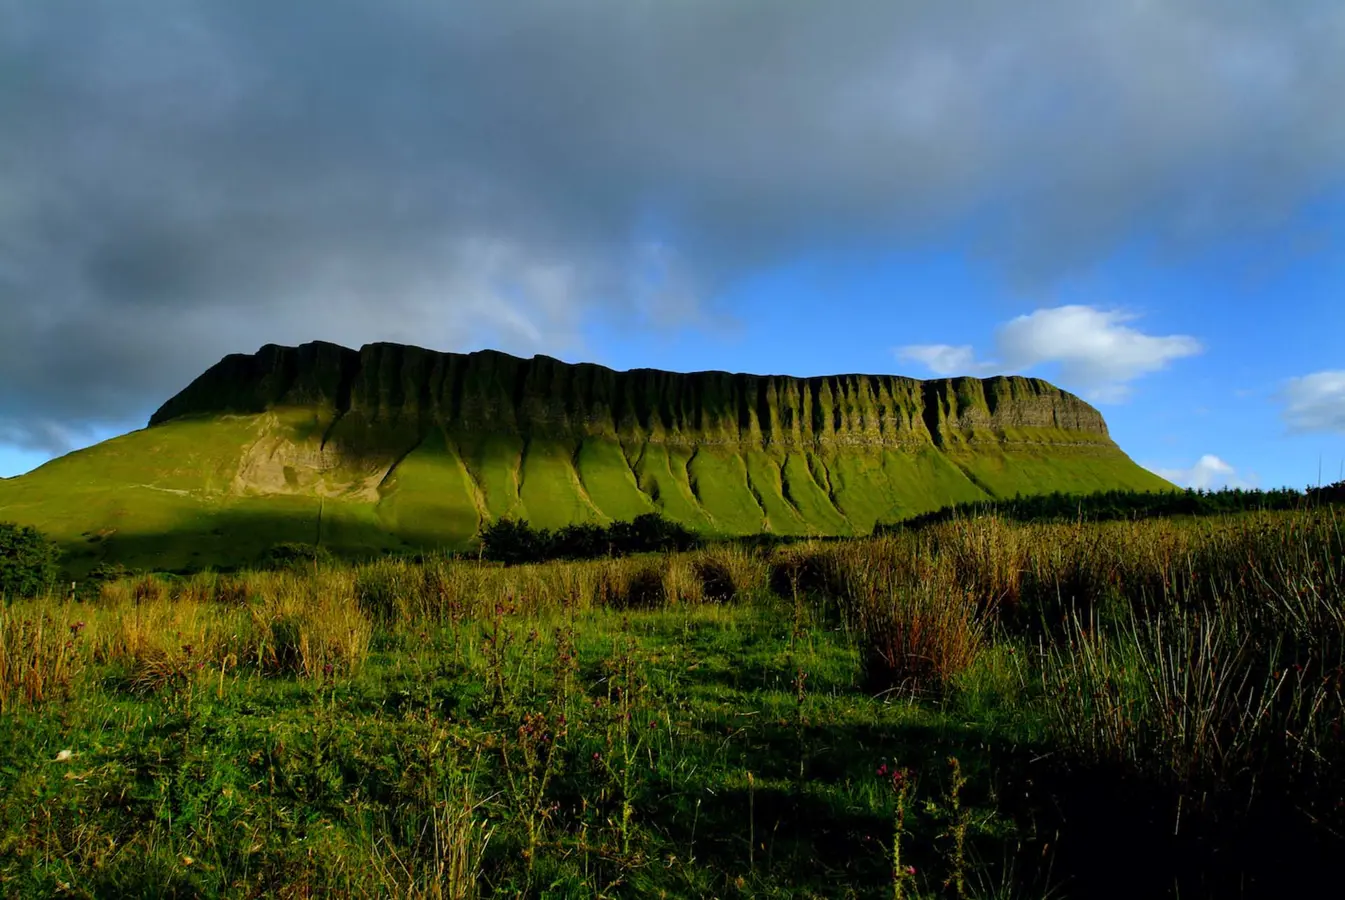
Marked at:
<point>39,655</point>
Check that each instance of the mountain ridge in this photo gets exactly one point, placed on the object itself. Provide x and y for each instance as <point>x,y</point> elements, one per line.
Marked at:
<point>392,447</point>
<point>496,391</point>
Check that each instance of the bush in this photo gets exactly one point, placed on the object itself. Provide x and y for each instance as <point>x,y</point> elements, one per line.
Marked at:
<point>512,542</point>
<point>29,563</point>
<point>580,542</point>
<point>106,572</point>
<point>716,581</point>
<point>650,532</point>
<point>645,590</point>
<point>291,554</point>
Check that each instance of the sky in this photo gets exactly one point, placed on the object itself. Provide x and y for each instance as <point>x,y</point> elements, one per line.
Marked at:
<point>1140,201</point>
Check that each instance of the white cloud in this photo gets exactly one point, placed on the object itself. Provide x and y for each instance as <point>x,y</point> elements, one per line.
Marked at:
<point>1095,349</point>
<point>1093,346</point>
<point>1208,473</point>
<point>944,359</point>
<point>1315,402</point>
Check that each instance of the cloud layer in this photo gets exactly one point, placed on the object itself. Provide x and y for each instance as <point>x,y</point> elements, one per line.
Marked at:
<point>1315,402</point>
<point>1095,349</point>
<point>187,179</point>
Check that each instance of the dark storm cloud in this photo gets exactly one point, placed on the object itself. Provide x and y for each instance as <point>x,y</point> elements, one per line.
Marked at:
<point>181,179</point>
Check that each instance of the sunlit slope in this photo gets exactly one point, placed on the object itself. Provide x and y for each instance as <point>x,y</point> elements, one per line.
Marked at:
<point>394,447</point>
<point>194,492</point>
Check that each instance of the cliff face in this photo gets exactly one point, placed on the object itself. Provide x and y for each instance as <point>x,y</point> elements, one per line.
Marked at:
<point>403,388</point>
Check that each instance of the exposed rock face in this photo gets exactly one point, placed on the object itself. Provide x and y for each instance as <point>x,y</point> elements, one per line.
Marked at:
<point>399,390</point>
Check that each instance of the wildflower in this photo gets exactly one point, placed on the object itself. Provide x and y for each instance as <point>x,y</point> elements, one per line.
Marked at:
<point>76,628</point>
<point>596,756</point>
<point>882,770</point>
<point>653,723</point>
<point>910,870</point>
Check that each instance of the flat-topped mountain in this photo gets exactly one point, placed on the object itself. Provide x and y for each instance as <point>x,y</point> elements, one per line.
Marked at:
<point>491,391</point>
<point>394,446</point>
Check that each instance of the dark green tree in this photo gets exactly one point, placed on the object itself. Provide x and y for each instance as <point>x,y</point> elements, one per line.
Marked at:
<point>511,542</point>
<point>29,563</point>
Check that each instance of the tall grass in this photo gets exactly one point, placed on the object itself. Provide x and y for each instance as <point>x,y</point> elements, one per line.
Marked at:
<point>1204,659</point>
<point>39,655</point>
<point>1221,677</point>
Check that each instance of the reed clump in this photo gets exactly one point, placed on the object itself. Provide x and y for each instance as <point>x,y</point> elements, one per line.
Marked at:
<point>40,655</point>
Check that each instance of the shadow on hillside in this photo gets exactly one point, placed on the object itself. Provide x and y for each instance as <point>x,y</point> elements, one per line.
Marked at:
<point>230,538</point>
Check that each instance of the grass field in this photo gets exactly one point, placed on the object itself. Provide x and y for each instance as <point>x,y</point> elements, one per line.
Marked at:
<point>219,491</point>
<point>975,709</point>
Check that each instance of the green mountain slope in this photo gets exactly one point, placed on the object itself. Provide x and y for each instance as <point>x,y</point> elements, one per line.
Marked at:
<point>391,447</point>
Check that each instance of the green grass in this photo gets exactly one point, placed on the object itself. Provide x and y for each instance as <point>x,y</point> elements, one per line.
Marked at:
<point>1025,468</point>
<point>552,490</point>
<point>431,499</point>
<point>721,484</point>
<point>609,481</point>
<point>1007,710</point>
<point>721,784</point>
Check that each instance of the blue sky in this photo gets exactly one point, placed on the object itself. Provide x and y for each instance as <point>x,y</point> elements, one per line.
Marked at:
<point>1144,203</point>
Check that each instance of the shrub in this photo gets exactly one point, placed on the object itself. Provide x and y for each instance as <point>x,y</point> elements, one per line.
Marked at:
<point>645,590</point>
<point>716,580</point>
<point>651,532</point>
<point>292,553</point>
<point>579,542</point>
<point>806,572</point>
<point>108,571</point>
<point>918,639</point>
<point>512,542</point>
<point>29,563</point>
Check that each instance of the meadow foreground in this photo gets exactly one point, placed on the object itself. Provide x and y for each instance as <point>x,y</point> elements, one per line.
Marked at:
<point>974,709</point>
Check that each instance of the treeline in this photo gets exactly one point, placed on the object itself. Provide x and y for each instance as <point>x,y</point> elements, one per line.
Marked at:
<point>511,541</point>
<point>1106,506</point>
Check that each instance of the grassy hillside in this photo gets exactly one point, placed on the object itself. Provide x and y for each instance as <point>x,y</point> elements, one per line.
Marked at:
<point>398,448</point>
<point>190,492</point>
